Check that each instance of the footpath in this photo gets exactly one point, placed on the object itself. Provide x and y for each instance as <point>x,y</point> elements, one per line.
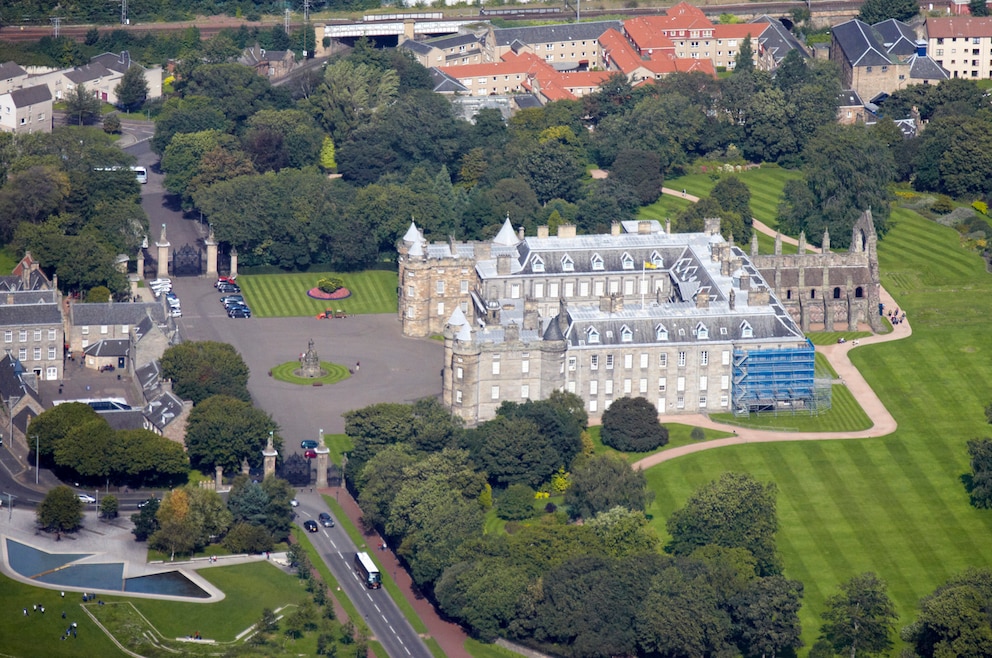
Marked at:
<point>839,357</point>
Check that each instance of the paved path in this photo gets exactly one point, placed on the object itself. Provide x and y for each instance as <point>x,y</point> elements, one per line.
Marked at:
<point>838,355</point>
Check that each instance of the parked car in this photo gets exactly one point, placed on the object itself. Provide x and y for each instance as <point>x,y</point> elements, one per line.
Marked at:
<point>86,498</point>
<point>310,525</point>
<point>310,454</point>
<point>175,312</point>
<point>232,298</point>
<point>146,501</point>
<point>229,288</point>
<point>229,305</point>
<point>294,503</point>
<point>159,282</point>
<point>325,520</point>
<point>222,280</point>
<point>309,444</point>
<point>239,313</point>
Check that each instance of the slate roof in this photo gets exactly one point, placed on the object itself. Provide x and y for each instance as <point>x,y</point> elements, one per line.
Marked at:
<point>163,410</point>
<point>133,419</point>
<point>418,47</point>
<point>10,70</point>
<point>777,39</point>
<point>113,61</point>
<point>526,101</point>
<point>452,41</point>
<point>446,84</point>
<point>860,44</point>
<point>84,74</point>
<point>925,68</point>
<point>29,314</point>
<point>130,313</point>
<point>554,33</point>
<point>29,297</point>
<point>108,348</point>
<point>849,98</point>
<point>897,38</point>
<point>148,376</point>
<point>10,379</point>
<point>29,96</point>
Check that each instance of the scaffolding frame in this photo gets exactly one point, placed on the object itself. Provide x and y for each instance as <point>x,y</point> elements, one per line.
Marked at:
<point>778,381</point>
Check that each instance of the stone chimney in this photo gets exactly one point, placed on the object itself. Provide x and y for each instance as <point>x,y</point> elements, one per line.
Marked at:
<point>503,264</point>
<point>542,231</point>
<point>643,227</point>
<point>711,225</point>
<point>778,244</point>
<point>759,297</point>
<point>615,228</point>
<point>702,299</point>
<point>745,281</point>
<point>732,299</point>
<point>511,332</point>
<point>566,231</point>
<point>483,250</point>
<point>668,226</point>
<point>754,244</point>
<point>520,233</point>
<point>532,319</point>
<point>802,243</point>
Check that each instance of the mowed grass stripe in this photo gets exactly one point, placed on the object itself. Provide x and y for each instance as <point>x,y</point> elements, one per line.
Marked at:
<point>285,295</point>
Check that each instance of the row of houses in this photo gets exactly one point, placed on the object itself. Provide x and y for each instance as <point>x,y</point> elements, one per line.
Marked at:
<point>50,342</point>
<point>26,98</point>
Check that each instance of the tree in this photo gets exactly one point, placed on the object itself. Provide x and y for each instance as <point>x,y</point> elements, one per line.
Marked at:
<point>624,532</point>
<point>145,521</point>
<point>766,616</point>
<point>132,90</point>
<point>978,8</point>
<point>631,424</point>
<point>247,501</point>
<point>327,161</point>
<point>516,503</point>
<point>247,538</point>
<point>980,452</point>
<point>223,431</point>
<point>744,62</point>
<point>641,170</point>
<point>81,105</point>
<point>605,482</point>
<point>876,11</point>
<point>554,170</point>
<point>179,528</point>
<point>112,124</point>
<point>90,451</point>
<point>512,451</point>
<point>50,426</point>
<point>61,510</point>
<point>954,619</point>
<point>32,196</point>
<point>202,369</point>
<point>350,94</point>
<point>860,617</point>
<point>109,507</point>
<point>735,511</point>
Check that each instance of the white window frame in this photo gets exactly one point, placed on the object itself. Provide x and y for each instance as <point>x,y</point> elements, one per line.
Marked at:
<point>626,334</point>
<point>567,264</point>
<point>494,392</point>
<point>627,261</point>
<point>592,336</point>
<point>597,262</point>
<point>594,362</point>
<point>660,332</point>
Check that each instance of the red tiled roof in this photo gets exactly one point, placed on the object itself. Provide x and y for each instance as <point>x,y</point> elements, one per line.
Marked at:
<point>619,52</point>
<point>647,32</point>
<point>959,26</point>
<point>739,30</point>
<point>484,70</point>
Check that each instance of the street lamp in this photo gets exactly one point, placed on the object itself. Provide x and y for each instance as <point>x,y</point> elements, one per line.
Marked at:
<point>37,458</point>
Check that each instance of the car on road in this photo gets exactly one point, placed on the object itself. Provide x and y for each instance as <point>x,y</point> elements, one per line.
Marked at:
<point>235,304</point>
<point>227,299</point>
<point>310,454</point>
<point>175,312</point>
<point>86,498</point>
<point>224,280</point>
<point>294,503</point>
<point>146,502</point>
<point>325,520</point>
<point>310,525</point>
<point>229,288</point>
<point>239,312</point>
<point>309,444</point>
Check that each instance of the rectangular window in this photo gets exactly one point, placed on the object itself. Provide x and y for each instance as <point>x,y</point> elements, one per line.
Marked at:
<point>593,406</point>
<point>440,308</point>
<point>583,288</point>
<point>124,329</point>
<point>725,358</point>
<point>525,367</point>
<point>37,334</point>
<point>104,329</point>
<point>463,287</point>
<point>593,387</point>
<point>459,373</point>
<point>703,383</point>
<point>552,290</point>
<point>494,393</point>
<point>644,360</point>
<point>725,382</point>
<point>495,366</point>
<point>724,401</point>
<point>663,360</point>
<point>681,359</point>
<point>704,358</point>
<point>628,287</point>
<point>572,362</point>
<point>515,291</point>
<point>409,312</point>
<point>51,334</point>
<point>597,288</point>
<point>643,385</point>
<point>628,360</point>
<point>594,362</point>
<point>22,353</point>
<point>571,387</point>
<point>440,287</point>
<point>36,352</point>
<point>409,291</point>
<point>702,401</point>
<point>614,286</point>
<point>524,391</point>
<point>680,384</point>
<point>569,289</point>
<point>609,362</point>
<point>538,290</point>
<point>626,387</point>
<point>458,397</point>
<point>608,387</point>
<point>51,353</point>
<point>680,402</point>
<point>8,336</point>
<point>662,383</point>
<point>22,335</point>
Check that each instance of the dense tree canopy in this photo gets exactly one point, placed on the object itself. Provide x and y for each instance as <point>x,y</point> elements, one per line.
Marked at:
<point>980,487</point>
<point>224,431</point>
<point>954,620</point>
<point>604,482</point>
<point>858,620</point>
<point>631,425</point>
<point>60,510</point>
<point>199,370</point>
<point>876,11</point>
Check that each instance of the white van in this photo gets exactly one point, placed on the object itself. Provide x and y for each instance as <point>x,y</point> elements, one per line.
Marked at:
<point>140,174</point>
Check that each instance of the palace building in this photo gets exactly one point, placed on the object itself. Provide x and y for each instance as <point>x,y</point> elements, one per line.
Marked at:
<point>685,320</point>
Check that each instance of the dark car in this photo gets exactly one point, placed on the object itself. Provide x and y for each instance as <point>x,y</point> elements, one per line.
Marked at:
<point>229,305</point>
<point>310,454</point>
<point>227,299</point>
<point>239,312</point>
<point>309,444</point>
<point>325,520</point>
<point>228,288</point>
<point>310,525</point>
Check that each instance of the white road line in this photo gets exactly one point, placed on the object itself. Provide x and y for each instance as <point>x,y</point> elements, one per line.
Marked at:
<point>407,651</point>
<point>399,639</point>
<point>377,608</point>
<point>391,629</point>
<point>332,543</point>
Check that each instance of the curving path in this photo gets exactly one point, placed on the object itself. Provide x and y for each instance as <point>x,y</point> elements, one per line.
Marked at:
<point>882,421</point>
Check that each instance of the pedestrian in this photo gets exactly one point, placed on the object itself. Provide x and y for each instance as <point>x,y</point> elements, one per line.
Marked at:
<point>42,608</point>
<point>63,594</point>
<point>358,366</point>
<point>25,612</point>
<point>683,192</point>
<point>63,614</point>
<point>35,607</point>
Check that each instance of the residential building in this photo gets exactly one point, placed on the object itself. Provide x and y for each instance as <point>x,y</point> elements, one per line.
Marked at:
<point>775,42</point>
<point>121,62</point>
<point>850,108</point>
<point>962,45</point>
<point>684,320</point>
<point>26,110</point>
<point>566,46</point>
<point>620,55</point>
<point>100,77</point>
<point>89,324</point>
<point>452,50</point>
<point>12,76</point>
<point>272,64</point>
<point>31,321</point>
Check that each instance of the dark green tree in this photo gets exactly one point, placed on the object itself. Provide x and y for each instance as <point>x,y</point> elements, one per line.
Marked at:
<point>247,501</point>
<point>631,425</point>
<point>744,62</point>
<point>60,510</point>
<point>766,617</point>
<point>641,170</point>
<point>50,426</point>
<point>516,503</point>
<point>978,8</point>
<point>91,451</point>
<point>187,115</point>
<point>279,513</point>
<point>109,507</point>
<point>112,124</point>
<point>859,619</point>
<point>223,431</point>
<point>512,451</point>
<point>980,487</point>
<point>132,90</point>
<point>604,482</point>
<point>248,538</point>
<point>202,369</point>
<point>954,619</point>
<point>81,105</point>
<point>145,521</point>
<point>554,171</point>
<point>735,511</point>
<point>876,11</point>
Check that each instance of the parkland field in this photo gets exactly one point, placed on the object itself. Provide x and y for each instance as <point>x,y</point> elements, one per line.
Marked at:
<point>895,505</point>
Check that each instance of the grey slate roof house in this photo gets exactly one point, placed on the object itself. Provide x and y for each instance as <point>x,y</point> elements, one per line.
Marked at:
<point>776,41</point>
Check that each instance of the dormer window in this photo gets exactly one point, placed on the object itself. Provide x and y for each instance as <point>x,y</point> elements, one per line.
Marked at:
<point>656,259</point>
<point>567,264</point>
<point>702,333</point>
<point>538,265</point>
<point>660,333</point>
<point>628,261</point>
<point>597,262</point>
<point>746,330</point>
<point>592,336</point>
<point>626,334</point>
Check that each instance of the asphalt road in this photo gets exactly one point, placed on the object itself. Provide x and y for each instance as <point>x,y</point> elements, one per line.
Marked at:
<point>385,620</point>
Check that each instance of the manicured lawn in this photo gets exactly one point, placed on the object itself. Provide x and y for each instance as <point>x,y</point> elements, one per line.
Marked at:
<point>338,444</point>
<point>285,295</point>
<point>678,435</point>
<point>844,415</point>
<point>334,372</point>
<point>893,505</point>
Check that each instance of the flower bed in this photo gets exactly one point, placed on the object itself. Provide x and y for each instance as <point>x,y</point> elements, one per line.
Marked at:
<point>340,293</point>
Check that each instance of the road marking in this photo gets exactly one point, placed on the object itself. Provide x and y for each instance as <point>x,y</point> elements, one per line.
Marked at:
<point>407,651</point>
<point>377,608</point>
<point>333,544</point>
<point>391,629</point>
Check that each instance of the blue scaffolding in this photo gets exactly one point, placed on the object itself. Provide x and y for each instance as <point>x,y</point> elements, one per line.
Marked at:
<point>778,380</point>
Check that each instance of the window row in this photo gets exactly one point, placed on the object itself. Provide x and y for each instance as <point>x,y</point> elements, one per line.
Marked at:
<point>679,403</point>
<point>104,329</point>
<point>642,388</point>
<point>597,263</point>
<point>644,360</point>
<point>700,331</point>
<point>22,335</point>
<point>22,354</point>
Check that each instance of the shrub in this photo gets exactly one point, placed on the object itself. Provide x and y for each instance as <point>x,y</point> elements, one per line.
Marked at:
<point>516,503</point>
<point>111,124</point>
<point>981,207</point>
<point>942,205</point>
<point>697,434</point>
<point>246,538</point>
<point>631,424</point>
<point>330,284</point>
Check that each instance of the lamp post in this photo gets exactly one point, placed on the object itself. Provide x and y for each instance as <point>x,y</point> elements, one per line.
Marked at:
<point>37,458</point>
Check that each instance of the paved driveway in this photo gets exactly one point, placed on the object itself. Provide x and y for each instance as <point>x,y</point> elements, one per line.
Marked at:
<point>393,368</point>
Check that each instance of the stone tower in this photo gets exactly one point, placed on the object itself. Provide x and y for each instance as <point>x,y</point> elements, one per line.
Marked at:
<point>323,454</point>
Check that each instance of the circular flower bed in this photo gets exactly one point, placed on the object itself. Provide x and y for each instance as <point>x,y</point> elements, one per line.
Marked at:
<point>285,372</point>
<point>340,293</point>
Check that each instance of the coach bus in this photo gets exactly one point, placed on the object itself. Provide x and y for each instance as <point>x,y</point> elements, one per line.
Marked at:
<point>366,567</point>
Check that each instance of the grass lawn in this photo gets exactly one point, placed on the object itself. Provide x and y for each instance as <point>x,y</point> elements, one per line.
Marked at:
<point>285,295</point>
<point>678,435</point>
<point>338,444</point>
<point>479,650</point>
<point>844,415</point>
<point>893,505</point>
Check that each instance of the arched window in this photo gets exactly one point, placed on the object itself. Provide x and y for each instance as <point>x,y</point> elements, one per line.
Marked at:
<point>859,292</point>
<point>836,293</point>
